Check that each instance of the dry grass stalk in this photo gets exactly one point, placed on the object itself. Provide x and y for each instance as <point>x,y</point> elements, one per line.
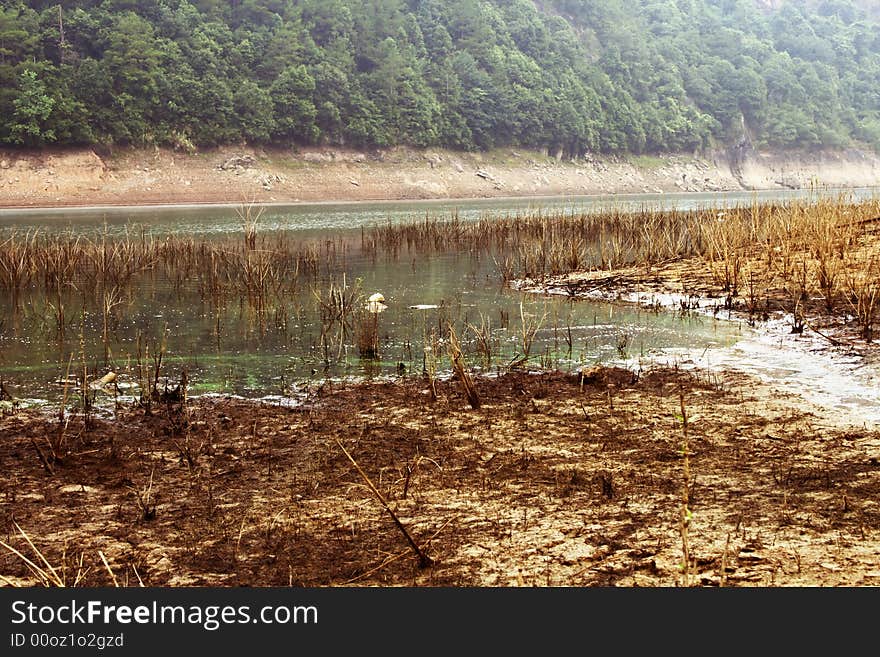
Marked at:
<point>529,327</point>
<point>864,299</point>
<point>57,441</point>
<point>431,361</point>
<point>483,337</point>
<point>109,570</point>
<point>424,560</point>
<point>250,217</point>
<point>461,372</point>
<point>41,568</point>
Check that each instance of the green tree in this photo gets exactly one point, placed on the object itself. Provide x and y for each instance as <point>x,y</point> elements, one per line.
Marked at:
<point>570,75</point>
<point>292,96</point>
<point>253,109</point>
<point>32,110</point>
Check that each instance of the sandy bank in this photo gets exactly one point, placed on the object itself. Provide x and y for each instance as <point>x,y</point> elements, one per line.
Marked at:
<point>56,177</point>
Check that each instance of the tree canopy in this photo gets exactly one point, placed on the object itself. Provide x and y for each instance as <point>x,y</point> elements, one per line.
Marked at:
<point>564,75</point>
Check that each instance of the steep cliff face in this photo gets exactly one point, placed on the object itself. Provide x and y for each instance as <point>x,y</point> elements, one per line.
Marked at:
<point>755,169</point>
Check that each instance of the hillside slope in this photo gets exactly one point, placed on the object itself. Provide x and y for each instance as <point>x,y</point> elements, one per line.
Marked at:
<point>566,76</point>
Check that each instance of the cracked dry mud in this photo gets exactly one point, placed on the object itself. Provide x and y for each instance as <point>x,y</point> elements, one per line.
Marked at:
<point>556,480</point>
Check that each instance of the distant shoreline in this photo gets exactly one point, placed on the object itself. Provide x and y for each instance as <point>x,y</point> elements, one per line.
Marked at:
<point>78,179</point>
<point>12,210</point>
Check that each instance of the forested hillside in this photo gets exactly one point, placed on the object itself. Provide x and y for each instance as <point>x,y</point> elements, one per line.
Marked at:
<point>570,75</point>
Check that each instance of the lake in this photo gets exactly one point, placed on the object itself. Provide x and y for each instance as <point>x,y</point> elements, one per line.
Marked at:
<point>229,348</point>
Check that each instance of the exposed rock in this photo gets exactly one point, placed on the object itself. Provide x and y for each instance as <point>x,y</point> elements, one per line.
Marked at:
<point>433,159</point>
<point>789,181</point>
<point>81,176</point>
<point>425,189</point>
<point>317,158</point>
<point>268,180</point>
<point>237,162</point>
<point>358,158</point>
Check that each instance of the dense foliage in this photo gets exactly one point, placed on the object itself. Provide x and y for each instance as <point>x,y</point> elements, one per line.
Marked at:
<point>569,75</point>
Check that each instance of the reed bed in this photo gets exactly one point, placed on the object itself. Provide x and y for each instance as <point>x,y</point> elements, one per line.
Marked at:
<point>540,244</point>
<point>93,290</point>
<point>260,271</point>
<point>531,245</point>
<point>810,255</point>
<point>820,258</point>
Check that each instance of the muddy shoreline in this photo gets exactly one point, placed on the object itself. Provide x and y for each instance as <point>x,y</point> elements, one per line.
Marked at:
<point>826,365</point>
<point>650,476</point>
<point>557,479</point>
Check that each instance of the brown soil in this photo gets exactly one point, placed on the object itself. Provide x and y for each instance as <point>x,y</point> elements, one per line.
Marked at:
<point>233,175</point>
<point>555,480</point>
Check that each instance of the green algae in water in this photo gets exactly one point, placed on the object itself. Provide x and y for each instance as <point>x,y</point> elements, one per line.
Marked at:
<point>231,348</point>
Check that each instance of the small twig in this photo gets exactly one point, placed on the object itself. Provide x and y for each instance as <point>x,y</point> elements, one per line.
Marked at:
<point>49,577</point>
<point>240,534</point>
<point>109,570</point>
<point>424,560</point>
<point>833,341</point>
<point>136,574</point>
<point>39,554</point>
<point>605,282</point>
<point>393,558</point>
<point>223,473</point>
<point>723,578</point>
<point>43,458</point>
<point>385,562</point>
<point>10,582</point>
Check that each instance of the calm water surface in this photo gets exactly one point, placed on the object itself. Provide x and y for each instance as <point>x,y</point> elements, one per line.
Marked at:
<point>316,219</point>
<point>232,349</point>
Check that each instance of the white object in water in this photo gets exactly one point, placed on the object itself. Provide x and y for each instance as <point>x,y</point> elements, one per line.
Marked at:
<point>376,303</point>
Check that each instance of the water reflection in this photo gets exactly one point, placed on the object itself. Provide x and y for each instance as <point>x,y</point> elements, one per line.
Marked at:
<point>232,347</point>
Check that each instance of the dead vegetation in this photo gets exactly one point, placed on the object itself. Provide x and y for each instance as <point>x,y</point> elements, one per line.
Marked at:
<point>817,262</point>
<point>606,477</point>
<point>600,477</point>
